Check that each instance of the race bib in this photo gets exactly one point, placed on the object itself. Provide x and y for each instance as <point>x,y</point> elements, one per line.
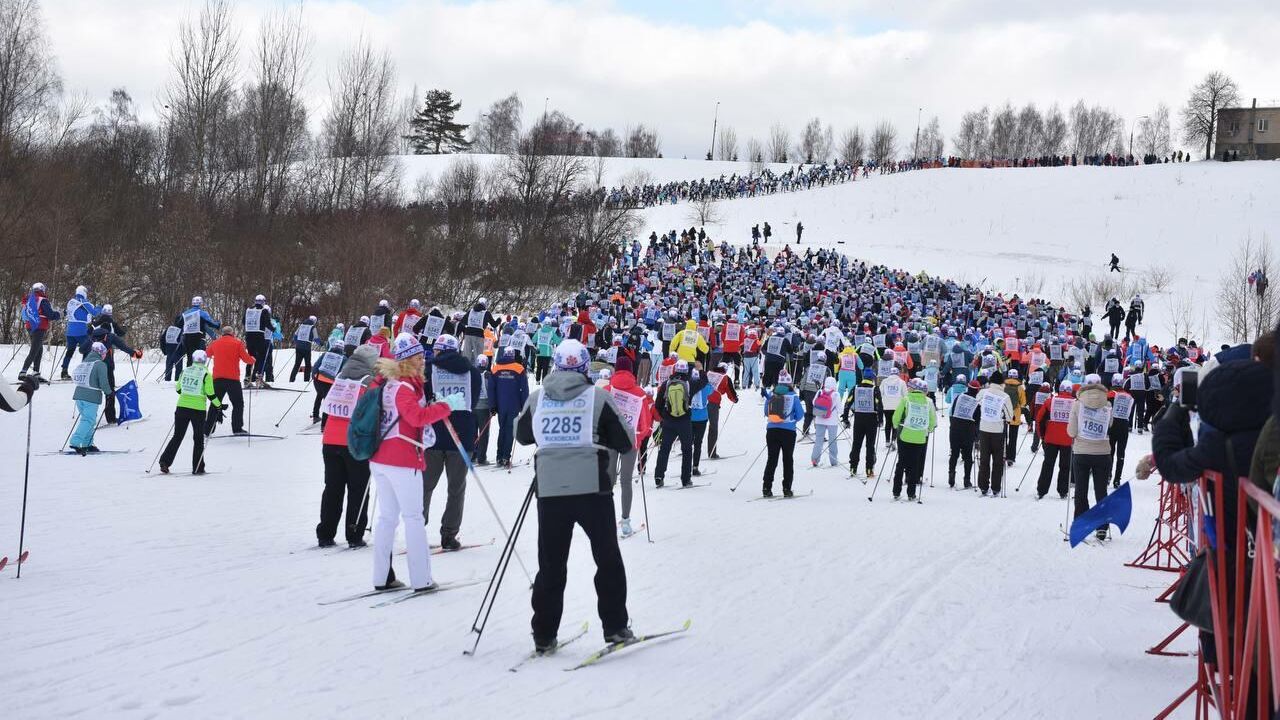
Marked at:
<point>732,332</point>
<point>774,346</point>
<point>713,379</point>
<point>564,423</point>
<point>957,360</point>
<point>1040,398</point>
<point>964,407</point>
<point>1138,382</point>
<point>304,333</point>
<point>253,320</point>
<point>1093,422</point>
<point>849,363</point>
<point>433,327</point>
<point>353,336</point>
<point>864,400</point>
<point>1037,358</point>
<point>172,334</point>
<point>885,368</point>
<point>1060,410</point>
<point>668,332</point>
<point>629,407</point>
<point>917,417</point>
<point>891,390</point>
<point>1122,407</point>
<point>1153,382</point>
<point>932,343</point>
<point>992,408</point>
<point>878,340</point>
<point>445,383</point>
<point>330,363</point>
<point>1111,365</point>
<point>191,322</point>
<point>705,332</point>
<point>1055,352</point>
<point>192,381</point>
<point>817,357</point>
<point>1036,378</point>
<point>475,319</point>
<point>816,374</point>
<point>376,323</point>
<point>80,375</point>
<point>342,397</point>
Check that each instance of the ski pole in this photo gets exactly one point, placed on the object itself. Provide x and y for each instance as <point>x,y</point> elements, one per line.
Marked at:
<point>472,469</point>
<point>286,412</point>
<point>1024,472</point>
<point>250,438</point>
<point>16,350</point>
<point>1066,527</point>
<point>26,478</point>
<point>933,455</point>
<point>368,487</point>
<point>499,572</point>
<point>871,497</point>
<point>643,458</point>
<point>162,444</point>
<point>920,487</point>
<point>712,450</point>
<point>744,473</point>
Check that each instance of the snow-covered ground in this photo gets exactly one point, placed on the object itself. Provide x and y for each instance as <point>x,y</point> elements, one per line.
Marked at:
<point>173,596</point>
<point>1030,229</point>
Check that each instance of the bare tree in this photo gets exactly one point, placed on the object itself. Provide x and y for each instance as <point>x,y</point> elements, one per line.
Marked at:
<point>852,148</point>
<point>779,143</point>
<point>971,141</point>
<point>275,117</point>
<point>497,130</point>
<point>755,155</point>
<point>404,112</point>
<point>1246,312</point>
<point>643,142</point>
<point>931,142</point>
<point>1094,130</point>
<point>1200,115</point>
<point>199,97</point>
<point>29,83</point>
<point>1004,129</point>
<point>1029,133</point>
<point>358,134</point>
<point>553,134</point>
<point>1054,132</point>
<point>1154,136</point>
<point>704,211</point>
<point>883,143</point>
<point>815,142</point>
<point>728,149</point>
<point>603,143</point>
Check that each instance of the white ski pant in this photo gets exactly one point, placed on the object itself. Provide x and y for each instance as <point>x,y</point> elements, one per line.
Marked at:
<point>399,498</point>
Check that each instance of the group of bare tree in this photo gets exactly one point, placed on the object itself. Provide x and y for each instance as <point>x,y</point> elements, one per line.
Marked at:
<point>229,193</point>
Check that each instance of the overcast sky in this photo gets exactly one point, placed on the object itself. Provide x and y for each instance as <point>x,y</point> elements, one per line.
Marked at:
<point>608,63</point>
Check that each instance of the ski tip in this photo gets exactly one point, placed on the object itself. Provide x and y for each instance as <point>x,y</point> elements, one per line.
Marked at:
<point>687,624</point>
<point>3,562</point>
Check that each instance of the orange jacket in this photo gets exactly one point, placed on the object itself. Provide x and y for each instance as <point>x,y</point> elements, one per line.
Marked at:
<point>227,352</point>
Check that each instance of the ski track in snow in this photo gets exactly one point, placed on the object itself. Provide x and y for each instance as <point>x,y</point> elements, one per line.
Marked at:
<point>174,596</point>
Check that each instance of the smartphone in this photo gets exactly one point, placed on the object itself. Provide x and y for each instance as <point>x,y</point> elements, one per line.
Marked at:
<point>1190,387</point>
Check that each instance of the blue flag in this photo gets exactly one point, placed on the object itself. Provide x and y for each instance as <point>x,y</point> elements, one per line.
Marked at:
<point>1115,508</point>
<point>127,399</point>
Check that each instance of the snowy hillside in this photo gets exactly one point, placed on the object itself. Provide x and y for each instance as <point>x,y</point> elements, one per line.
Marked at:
<point>1029,229</point>
<point>173,596</point>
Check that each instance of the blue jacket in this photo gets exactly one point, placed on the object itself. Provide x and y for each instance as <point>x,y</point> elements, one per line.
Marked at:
<point>78,317</point>
<point>698,405</point>
<point>508,388</point>
<point>207,323</point>
<point>1139,352</point>
<point>797,409</point>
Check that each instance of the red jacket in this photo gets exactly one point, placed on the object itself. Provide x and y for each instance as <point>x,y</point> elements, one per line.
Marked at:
<point>227,352</point>
<point>722,389</point>
<point>623,381</point>
<point>408,317</point>
<point>403,447</point>
<point>732,346</point>
<point>1051,431</point>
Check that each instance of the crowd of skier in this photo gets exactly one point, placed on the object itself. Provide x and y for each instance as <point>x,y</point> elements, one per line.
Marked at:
<point>640,363</point>
<point>766,182</point>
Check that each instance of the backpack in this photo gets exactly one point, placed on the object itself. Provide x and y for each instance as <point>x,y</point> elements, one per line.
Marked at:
<point>778,405</point>
<point>31,315</point>
<point>364,432</point>
<point>824,403</point>
<point>677,398</point>
<point>1012,392</point>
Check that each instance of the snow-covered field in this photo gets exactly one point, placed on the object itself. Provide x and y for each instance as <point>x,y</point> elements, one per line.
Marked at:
<point>172,596</point>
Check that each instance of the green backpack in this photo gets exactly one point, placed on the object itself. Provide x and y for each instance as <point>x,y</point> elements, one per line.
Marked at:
<point>677,398</point>
<point>364,433</point>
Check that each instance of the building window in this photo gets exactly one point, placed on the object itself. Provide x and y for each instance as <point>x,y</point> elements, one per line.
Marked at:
<point>1229,127</point>
<point>1263,124</point>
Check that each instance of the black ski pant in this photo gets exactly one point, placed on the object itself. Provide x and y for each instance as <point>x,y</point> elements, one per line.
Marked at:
<point>81,343</point>
<point>699,432</point>
<point>344,476</point>
<point>960,437</point>
<point>173,362</point>
<point>713,428</point>
<point>1140,408</point>
<point>192,343</point>
<point>484,418</point>
<point>541,366</point>
<point>734,359</point>
<point>888,427</point>
<point>1119,434</point>
<point>109,400</point>
<point>772,366</point>
<point>322,389</point>
<point>182,417</point>
<point>1011,443</point>
<point>35,352</point>
<point>807,397</point>
<point>1061,455</point>
<point>258,347</point>
<point>911,458</point>
<point>1085,468</point>
<point>990,461</point>
<point>556,518</point>
<point>681,430</point>
<point>231,390</point>
<point>301,359</point>
<point>864,430</point>
<point>779,442</point>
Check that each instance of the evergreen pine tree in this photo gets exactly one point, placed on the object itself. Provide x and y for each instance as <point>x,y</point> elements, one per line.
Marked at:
<point>433,131</point>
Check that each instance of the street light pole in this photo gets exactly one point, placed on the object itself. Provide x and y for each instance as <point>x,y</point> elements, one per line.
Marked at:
<point>916,152</point>
<point>711,154</point>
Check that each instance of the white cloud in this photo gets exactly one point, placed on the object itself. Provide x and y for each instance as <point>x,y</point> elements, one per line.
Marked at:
<point>606,68</point>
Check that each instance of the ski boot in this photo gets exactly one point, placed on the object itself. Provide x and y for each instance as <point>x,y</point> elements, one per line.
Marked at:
<point>63,376</point>
<point>626,528</point>
<point>621,636</point>
<point>450,543</point>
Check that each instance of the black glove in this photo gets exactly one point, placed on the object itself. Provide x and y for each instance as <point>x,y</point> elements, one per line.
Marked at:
<point>29,386</point>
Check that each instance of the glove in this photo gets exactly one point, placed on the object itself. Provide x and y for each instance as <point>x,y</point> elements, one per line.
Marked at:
<point>29,386</point>
<point>844,422</point>
<point>456,401</point>
<point>1146,466</point>
<point>137,354</point>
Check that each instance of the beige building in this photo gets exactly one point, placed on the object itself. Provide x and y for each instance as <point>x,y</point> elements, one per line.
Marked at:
<point>1250,133</point>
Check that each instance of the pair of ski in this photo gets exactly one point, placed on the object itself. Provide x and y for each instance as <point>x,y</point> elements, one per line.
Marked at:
<point>795,496</point>
<point>90,453</point>
<point>4,561</point>
<point>602,653</point>
<point>403,593</point>
<point>245,435</point>
<point>437,550</point>
<point>728,456</point>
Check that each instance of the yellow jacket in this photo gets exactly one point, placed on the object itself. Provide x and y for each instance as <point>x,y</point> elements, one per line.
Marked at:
<point>688,343</point>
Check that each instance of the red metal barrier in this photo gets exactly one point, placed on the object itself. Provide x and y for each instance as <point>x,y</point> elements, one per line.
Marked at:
<point>1166,549</point>
<point>1244,683</point>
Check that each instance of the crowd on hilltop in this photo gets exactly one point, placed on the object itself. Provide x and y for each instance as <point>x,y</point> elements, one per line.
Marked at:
<point>766,182</point>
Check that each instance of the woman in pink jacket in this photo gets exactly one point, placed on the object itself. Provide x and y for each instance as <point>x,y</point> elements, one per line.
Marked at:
<point>398,464</point>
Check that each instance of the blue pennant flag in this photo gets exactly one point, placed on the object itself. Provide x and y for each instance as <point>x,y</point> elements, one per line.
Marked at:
<point>127,399</point>
<point>1115,508</point>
